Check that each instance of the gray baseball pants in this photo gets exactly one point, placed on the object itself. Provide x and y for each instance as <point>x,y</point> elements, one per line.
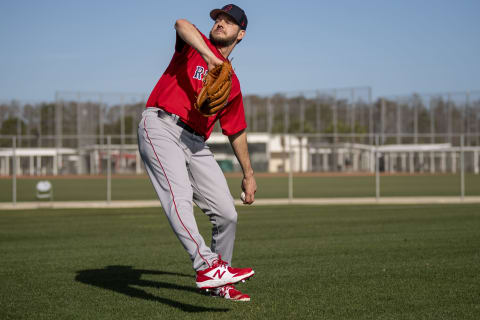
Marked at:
<point>182,169</point>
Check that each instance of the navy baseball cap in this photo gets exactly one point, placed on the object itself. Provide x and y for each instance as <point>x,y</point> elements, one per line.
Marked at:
<point>237,14</point>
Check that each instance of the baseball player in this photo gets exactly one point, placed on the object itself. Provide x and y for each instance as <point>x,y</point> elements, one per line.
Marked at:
<point>181,167</point>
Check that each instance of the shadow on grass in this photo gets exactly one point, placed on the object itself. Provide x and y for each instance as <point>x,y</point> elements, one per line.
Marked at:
<point>122,279</point>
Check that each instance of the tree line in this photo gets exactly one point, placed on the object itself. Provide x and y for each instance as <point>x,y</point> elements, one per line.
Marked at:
<point>273,114</point>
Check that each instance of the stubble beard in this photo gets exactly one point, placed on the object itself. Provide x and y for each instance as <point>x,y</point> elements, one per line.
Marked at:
<point>222,42</point>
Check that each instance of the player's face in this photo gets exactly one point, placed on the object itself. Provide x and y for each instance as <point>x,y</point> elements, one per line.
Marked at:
<point>225,31</point>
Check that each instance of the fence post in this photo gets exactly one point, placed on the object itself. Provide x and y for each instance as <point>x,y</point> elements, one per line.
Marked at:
<point>56,161</point>
<point>432,121</point>
<point>122,121</point>
<point>465,122</point>
<point>352,115</point>
<point>399,122</point>
<point>302,113</point>
<point>290,171</point>
<point>14,170</point>
<point>58,121</point>
<point>462,167</point>
<point>449,118</point>
<point>286,117</point>
<point>335,131</point>
<point>109,169</point>
<point>370,115</point>
<point>101,120</point>
<point>318,125</point>
<point>382,118</point>
<point>270,115</point>
<point>377,168</point>
<point>415,122</point>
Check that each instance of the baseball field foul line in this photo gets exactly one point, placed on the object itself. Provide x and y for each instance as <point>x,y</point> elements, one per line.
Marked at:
<point>258,202</point>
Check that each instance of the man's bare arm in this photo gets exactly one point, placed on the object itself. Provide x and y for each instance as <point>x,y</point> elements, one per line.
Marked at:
<point>240,148</point>
<point>190,35</point>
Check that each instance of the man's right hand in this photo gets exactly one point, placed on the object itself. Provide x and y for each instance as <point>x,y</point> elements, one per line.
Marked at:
<point>249,186</point>
<point>213,61</point>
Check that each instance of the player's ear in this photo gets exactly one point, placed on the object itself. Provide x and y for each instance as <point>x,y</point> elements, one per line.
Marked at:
<point>240,35</point>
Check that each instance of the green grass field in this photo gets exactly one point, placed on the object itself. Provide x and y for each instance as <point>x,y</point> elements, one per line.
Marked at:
<point>311,262</point>
<point>140,188</point>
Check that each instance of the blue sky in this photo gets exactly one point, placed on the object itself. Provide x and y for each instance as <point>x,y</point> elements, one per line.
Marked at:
<point>396,47</point>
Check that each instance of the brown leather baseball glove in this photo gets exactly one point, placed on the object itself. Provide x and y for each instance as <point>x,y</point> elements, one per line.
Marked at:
<point>217,84</point>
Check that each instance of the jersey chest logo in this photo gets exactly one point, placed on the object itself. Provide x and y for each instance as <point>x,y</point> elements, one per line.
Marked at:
<point>199,73</point>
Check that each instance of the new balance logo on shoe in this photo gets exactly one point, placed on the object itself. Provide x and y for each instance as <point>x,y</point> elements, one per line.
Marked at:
<point>221,274</point>
<point>218,274</point>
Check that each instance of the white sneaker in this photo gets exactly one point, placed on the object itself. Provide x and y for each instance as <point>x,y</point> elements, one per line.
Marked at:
<point>229,292</point>
<point>221,274</point>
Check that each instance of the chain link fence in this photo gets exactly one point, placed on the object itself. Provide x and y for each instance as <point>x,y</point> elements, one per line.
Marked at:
<point>287,165</point>
<point>295,138</point>
<point>334,111</point>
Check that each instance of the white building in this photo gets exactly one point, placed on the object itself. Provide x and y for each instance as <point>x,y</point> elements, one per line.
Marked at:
<point>269,153</point>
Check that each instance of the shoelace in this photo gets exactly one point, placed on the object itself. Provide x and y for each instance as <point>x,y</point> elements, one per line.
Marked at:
<point>220,263</point>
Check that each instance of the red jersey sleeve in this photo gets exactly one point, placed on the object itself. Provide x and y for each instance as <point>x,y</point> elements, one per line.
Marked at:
<point>179,43</point>
<point>232,118</point>
<point>182,48</point>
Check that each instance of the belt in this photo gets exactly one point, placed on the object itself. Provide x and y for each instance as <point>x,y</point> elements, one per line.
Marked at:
<point>180,123</point>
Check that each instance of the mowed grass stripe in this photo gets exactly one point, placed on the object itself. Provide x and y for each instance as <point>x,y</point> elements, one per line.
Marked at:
<point>140,188</point>
<point>328,262</point>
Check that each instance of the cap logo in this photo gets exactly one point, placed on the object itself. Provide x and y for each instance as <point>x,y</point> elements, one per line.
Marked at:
<point>228,8</point>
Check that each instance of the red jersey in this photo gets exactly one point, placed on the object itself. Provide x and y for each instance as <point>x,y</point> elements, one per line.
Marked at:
<point>177,90</point>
